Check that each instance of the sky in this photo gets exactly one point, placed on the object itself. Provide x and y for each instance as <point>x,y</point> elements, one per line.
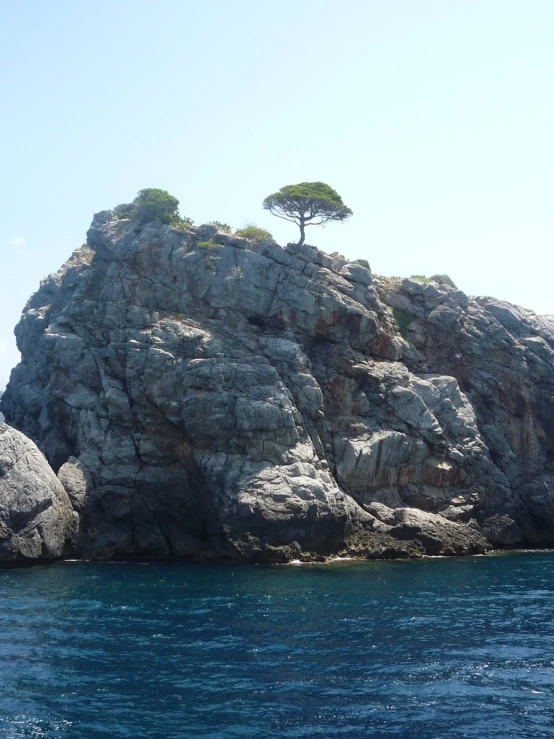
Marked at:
<point>433,119</point>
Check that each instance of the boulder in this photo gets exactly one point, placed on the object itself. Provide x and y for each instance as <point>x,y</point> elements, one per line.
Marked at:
<point>36,518</point>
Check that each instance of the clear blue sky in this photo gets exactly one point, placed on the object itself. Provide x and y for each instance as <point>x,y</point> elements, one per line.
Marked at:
<point>433,119</point>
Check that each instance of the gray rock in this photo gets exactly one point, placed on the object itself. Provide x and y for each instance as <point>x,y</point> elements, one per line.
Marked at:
<point>243,401</point>
<point>36,518</point>
<point>77,482</point>
<point>206,231</point>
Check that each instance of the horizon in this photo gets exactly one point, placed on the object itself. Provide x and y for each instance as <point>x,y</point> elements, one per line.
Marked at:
<point>431,122</point>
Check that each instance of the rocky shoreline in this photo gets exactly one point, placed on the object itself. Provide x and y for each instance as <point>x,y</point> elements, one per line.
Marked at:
<point>200,396</point>
<point>313,561</point>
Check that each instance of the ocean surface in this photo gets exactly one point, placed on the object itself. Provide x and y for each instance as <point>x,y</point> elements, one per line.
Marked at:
<point>433,648</point>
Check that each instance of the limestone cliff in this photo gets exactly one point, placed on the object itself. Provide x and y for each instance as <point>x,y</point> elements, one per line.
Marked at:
<point>203,396</point>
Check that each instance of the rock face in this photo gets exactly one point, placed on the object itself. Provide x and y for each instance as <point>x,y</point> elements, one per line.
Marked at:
<point>36,517</point>
<point>206,397</point>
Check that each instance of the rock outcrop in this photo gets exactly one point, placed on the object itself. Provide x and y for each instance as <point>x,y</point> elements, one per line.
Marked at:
<point>203,396</point>
<point>36,518</point>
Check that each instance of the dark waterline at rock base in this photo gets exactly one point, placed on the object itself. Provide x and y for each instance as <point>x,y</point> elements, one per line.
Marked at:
<point>313,562</point>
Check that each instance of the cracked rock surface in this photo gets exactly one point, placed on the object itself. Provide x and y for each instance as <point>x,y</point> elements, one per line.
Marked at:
<point>36,517</point>
<point>203,396</point>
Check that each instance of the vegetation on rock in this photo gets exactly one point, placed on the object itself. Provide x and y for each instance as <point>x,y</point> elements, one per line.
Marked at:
<point>125,210</point>
<point>182,224</point>
<point>403,319</point>
<point>153,203</point>
<point>441,279</point>
<point>307,204</point>
<point>444,280</point>
<point>254,234</point>
<point>225,227</point>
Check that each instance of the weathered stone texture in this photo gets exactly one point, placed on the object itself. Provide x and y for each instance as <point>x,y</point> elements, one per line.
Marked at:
<point>244,401</point>
<point>36,517</point>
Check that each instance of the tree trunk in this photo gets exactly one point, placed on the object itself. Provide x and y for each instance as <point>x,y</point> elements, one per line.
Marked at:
<point>302,233</point>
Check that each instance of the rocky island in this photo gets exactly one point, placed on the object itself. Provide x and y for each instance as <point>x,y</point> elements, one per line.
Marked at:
<point>196,394</point>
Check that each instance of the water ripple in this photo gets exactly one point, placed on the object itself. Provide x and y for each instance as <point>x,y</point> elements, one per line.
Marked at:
<point>431,649</point>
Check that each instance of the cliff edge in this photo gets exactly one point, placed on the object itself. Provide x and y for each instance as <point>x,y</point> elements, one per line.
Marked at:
<point>203,396</point>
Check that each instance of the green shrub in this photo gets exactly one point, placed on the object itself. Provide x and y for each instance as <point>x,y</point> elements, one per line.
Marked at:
<point>254,234</point>
<point>125,210</point>
<point>207,245</point>
<point>420,278</point>
<point>225,227</point>
<point>403,319</point>
<point>363,262</point>
<point>182,224</point>
<point>153,203</point>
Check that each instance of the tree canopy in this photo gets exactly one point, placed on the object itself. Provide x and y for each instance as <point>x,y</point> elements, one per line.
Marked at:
<point>153,203</point>
<point>307,204</point>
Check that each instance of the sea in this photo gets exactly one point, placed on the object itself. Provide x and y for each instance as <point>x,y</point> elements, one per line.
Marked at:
<point>433,648</point>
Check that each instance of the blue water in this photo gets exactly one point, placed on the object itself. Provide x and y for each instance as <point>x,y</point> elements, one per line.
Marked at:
<point>434,648</point>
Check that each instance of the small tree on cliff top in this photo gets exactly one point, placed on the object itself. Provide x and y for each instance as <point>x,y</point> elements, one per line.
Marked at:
<point>153,203</point>
<point>307,204</point>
